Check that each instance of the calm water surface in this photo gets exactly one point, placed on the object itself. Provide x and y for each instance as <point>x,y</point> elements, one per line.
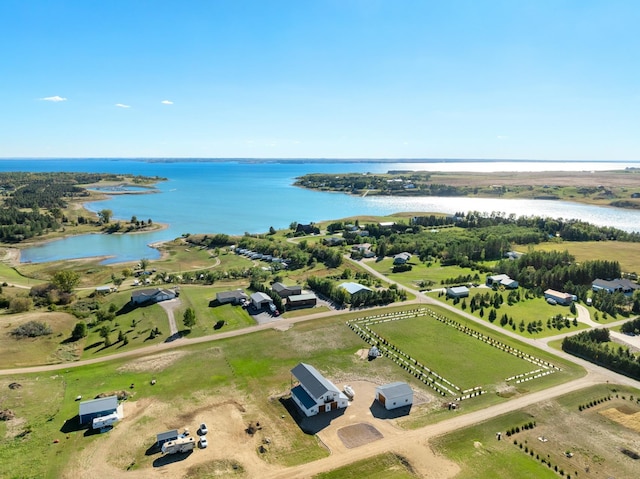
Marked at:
<point>235,197</point>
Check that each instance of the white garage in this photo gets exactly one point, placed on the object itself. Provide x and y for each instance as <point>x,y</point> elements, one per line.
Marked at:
<point>394,395</point>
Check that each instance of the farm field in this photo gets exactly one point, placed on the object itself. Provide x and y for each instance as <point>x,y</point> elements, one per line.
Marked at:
<point>596,437</point>
<point>627,254</point>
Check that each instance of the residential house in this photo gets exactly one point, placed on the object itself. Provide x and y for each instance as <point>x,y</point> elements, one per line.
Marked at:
<point>285,291</point>
<point>314,394</point>
<point>153,295</point>
<point>401,258</point>
<point>620,285</point>
<point>234,297</point>
<point>502,280</point>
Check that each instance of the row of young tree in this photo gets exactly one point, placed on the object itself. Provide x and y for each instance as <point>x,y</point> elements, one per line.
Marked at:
<point>594,345</point>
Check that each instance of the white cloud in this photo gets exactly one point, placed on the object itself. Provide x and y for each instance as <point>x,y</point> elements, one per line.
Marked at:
<point>122,105</point>
<point>54,99</point>
<point>166,102</point>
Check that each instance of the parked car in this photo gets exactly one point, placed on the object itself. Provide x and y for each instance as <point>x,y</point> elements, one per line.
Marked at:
<point>203,442</point>
<point>203,429</point>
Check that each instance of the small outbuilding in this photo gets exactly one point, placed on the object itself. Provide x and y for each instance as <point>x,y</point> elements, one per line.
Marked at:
<point>101,407</point>
<point>394,395</point>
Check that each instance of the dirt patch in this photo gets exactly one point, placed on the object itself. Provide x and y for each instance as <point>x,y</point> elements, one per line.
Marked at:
<point>6,415</point>
<point>15,386</point>
<point>624,417</point>
<point>362,354</point>
<point>153,364</point>
<point>189,416</point>
<point>358,435</point>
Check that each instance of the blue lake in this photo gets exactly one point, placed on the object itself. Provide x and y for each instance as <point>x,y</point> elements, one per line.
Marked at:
<point>235,197</point>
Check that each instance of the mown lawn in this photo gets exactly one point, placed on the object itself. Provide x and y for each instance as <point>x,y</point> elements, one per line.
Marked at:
<point>449,352</point>
<point>525,310</point>
<point>420,273</point>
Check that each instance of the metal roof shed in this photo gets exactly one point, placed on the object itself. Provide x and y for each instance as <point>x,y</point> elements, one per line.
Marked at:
<point>394,395</point>
<point>97,408</point>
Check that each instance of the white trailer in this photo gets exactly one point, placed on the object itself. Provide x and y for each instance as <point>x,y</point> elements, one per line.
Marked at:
<point>182,444</point>
<point>104,421</point>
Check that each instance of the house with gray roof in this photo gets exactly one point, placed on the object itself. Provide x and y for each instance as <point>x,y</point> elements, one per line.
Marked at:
<point>285,291</point>
<point>314,394</point>
<point>401,258</point>
<point>153,295</point>
<point>234,297</point>
<point>620,285</point>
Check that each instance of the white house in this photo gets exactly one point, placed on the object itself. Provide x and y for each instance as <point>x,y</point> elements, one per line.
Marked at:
<point>315,394</point>
<point>394,395</point>
<point>502,280</point>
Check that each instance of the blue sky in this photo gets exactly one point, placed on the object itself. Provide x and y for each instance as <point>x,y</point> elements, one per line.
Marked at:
<point>554,80</point>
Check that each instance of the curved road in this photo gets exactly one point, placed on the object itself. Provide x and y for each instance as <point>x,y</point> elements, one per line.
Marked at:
<point>419,437</point>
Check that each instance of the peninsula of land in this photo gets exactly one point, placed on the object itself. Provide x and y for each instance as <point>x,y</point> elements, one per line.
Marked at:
<point>617,188</point>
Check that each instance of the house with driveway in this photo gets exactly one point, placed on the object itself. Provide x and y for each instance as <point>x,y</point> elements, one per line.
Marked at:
<point>620,285</point>
<point>152,295</point>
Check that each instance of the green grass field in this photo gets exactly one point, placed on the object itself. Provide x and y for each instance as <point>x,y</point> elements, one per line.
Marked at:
<point>421,272</point>
<point>254,368</point>
<point>627,254</point>
<point>526,310</point>
<point>450,352</point>
<point>384,466</point>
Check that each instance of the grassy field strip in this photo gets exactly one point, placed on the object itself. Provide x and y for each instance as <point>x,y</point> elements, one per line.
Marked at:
<point>442,385</point>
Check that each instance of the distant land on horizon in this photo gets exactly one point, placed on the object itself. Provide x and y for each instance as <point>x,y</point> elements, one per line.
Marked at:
<point>315,160</point>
